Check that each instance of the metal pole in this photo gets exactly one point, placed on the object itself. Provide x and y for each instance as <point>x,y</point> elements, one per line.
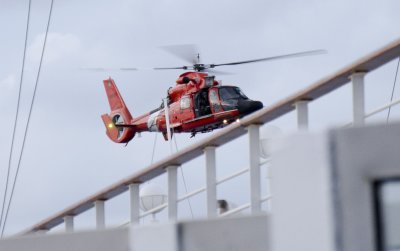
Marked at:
<point>100,214</point>
<point>69,223</point>
<point>302,114</point>
<point>358,98</point>
<point>166,109</point>
<point>172,192</point>
<point>134,203</point>
<point>211,181</point>
<point>255,182</point>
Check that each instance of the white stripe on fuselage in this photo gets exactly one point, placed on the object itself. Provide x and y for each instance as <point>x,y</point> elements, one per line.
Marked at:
<point>152,122</point>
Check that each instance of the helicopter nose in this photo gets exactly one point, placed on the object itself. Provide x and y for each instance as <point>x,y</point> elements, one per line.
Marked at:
<point>248,106</point>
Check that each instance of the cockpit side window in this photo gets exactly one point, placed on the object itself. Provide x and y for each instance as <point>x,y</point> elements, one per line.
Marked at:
<point>214,100</point>
<point>185,102</point>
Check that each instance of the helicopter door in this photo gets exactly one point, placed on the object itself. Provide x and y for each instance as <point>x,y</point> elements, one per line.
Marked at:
<point>214,100</point>
<point>202,105</point>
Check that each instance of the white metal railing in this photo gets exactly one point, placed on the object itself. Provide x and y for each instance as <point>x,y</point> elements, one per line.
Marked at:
<point>377,111</point>
<point>243,207</point>
<point>249,125</point>
<point>195,192</point>
<point>383,108</point>
<point>203,189</point>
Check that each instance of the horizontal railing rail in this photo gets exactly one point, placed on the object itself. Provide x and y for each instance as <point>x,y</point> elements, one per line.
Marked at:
<point>383,108</point>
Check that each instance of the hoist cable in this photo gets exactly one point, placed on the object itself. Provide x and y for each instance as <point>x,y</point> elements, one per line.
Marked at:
<point>394,86</point>
<point>16,114</point>
<point>184,182</point>
<point>29,117</point>
<point>154,148</point>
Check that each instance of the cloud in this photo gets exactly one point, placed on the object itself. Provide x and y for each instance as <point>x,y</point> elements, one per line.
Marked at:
<point>59,47</point>
<point>8,82</point>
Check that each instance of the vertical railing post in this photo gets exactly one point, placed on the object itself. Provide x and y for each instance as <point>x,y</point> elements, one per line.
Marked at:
<point>302,114</point>
<point>211,181</point>
<point>172,192</point>
<point>69,223</point>
<point>100,214</point>
<point>134,203</point>
<point>357,80</point>
<point>255,181</point>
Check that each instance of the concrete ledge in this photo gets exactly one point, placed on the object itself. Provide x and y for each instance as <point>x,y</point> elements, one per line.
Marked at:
<point>244,233</point>
<point>104,240</point>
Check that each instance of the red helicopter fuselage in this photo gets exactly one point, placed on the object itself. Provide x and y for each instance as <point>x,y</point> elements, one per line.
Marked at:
<point>197,103</point>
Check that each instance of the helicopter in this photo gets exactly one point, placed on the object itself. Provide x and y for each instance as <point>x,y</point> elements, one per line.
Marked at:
<point>196,104</point>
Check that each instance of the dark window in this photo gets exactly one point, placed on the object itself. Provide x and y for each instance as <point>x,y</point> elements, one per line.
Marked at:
<point>387,208</point>
<point>227,93</point>
<point>230,97</point>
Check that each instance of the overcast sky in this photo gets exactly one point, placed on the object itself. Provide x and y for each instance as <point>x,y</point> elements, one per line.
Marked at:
<point>68,156</point>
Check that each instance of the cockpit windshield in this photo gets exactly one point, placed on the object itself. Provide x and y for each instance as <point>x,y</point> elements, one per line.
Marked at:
<point>230,96</point>
<point>230,92</point>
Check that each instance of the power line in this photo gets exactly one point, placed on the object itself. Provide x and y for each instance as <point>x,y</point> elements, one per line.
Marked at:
<point>394,86</point>
<point>29,117</point>
<point>16,114</point>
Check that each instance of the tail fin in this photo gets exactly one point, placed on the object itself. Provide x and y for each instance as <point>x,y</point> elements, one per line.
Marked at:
<point>119,115</point>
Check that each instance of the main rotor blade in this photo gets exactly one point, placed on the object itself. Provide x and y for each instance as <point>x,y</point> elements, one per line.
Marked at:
<point>173,68</point>
<point>298,54</point>
<point>187,52</point>
<point>108,69</point>
<point>128,69</point>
